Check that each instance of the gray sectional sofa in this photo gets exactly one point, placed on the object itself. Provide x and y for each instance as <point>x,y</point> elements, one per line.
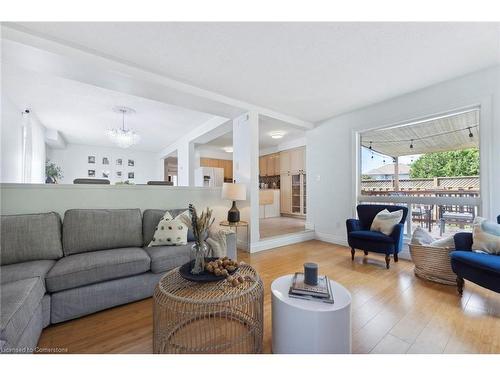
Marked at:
<point>53,271</point>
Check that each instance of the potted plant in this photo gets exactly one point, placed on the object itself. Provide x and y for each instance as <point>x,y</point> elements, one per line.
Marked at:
<point>52,172</point>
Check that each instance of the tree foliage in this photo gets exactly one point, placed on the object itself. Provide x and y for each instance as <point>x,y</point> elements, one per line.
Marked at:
<point>446,164</point>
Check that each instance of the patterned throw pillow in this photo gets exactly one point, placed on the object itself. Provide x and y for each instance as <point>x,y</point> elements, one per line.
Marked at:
<point>385,221</point>
<point>486,236</point>
<point>170,231</point>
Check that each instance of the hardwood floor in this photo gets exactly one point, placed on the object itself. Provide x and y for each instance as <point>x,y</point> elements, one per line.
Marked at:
<point>392,310</point>
<point>277,226</point>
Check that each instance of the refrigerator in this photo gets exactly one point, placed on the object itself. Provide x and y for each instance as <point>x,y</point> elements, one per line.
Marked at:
<point>208,177</point>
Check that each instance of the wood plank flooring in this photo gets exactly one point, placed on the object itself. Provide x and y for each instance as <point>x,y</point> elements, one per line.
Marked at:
<point>392,310</point>
<point>277,226</point>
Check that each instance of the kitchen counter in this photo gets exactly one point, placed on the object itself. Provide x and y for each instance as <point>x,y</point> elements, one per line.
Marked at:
<point>269,203</point>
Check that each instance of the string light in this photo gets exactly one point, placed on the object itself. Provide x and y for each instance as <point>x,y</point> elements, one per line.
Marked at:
<point>411,140</point>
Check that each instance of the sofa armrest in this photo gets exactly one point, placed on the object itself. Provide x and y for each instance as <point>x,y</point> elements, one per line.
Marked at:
<point>231,242</point>
<point>352,225</point>
<point>397,236</point>
<point>463,241</point>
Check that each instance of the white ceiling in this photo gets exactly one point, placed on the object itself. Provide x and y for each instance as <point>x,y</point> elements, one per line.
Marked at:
<point>83,113</point>
<point>267,125</point>
<point>308,70</point>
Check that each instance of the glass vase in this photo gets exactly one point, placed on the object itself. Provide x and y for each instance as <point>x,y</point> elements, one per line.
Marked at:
<point>198,253</point>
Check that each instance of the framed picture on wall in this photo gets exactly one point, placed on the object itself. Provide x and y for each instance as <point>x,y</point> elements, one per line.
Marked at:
<point>131,175</point>
<point>119,161</point>
<point>105,160</point>
<point>91,159</point>
<point>105,174</point>
<point>118,173</point>
<point>91,173</point>
<point>131,163</point>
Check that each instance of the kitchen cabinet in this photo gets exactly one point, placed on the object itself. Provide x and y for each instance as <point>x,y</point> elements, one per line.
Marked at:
<point>284,162</point>
<point>293,160</point>
<point>227,165</point>
<point>262,166</point>
<point>269,165</point>
<point>286,193</point>
<point>269,203</point>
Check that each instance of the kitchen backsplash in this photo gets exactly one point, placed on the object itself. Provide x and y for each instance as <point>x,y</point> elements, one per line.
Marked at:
<point>273,182</point>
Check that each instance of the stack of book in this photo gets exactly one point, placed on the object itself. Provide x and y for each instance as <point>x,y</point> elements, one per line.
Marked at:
<point>321,292</point>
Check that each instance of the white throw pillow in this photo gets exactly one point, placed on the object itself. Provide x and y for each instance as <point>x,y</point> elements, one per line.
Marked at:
<point>170,231</point>
<point>447,242</point>
<point>421,237</point>
<point>486,236</point>
<point>385,221</point>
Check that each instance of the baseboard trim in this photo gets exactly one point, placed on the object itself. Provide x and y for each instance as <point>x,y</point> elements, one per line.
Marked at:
<point>341,240</point>
<point>278,241</point>
<point>331,238</point>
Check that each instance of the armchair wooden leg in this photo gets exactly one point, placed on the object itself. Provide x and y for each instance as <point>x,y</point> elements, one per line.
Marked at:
<point>460,285</point>
<point>366,252</point>
<point>387,260</point>
<point>352,253</point>
<point>396,257</point>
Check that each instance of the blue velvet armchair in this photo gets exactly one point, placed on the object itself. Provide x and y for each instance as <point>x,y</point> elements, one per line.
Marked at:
<point>481,269</point>
<point>359,235</point>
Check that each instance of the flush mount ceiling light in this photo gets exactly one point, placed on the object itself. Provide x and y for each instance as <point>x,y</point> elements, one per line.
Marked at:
<point>277,135</point>
<point>123,137</point>
<point>228,149</point>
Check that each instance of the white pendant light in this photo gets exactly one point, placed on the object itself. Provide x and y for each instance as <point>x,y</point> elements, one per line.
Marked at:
<point>122,137</point>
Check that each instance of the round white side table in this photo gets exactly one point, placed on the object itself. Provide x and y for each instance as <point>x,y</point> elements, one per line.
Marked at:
<point>314,327</point>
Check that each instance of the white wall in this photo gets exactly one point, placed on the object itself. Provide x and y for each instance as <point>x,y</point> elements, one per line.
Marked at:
<point>12,145</point>
<point>333,153</point>
<point>74,163</point>
<point>34,198</point>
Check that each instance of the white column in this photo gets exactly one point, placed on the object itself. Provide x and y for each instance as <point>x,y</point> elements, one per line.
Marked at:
<point>246,167</point>
<point>185,164</point>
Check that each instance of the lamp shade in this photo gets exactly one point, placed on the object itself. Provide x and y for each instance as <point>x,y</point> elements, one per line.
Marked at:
<point>234,192</point>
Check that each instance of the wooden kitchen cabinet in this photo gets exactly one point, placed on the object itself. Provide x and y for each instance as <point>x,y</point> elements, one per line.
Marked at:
<point>297,160</point>
<point>286,193</point>
<point>284,162</point>
<point>277,168</point>
<point>262,166</point>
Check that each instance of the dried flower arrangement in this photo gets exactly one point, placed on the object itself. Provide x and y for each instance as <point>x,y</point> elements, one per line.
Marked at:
<point>200,226</point>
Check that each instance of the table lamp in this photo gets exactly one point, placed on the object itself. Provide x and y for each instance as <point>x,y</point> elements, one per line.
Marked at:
<point>234,192</point>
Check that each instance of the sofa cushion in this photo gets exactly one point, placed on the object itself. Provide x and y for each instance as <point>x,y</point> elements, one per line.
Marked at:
<point>150,221</point>
<point>371,236</point>
<point>165,258</point>
<point>385,221</point>
<point>486,236</point>
<point>98,229</point>
<point>20,299</point>
<point>30,237</point>
<point>26,270</point>
<point>485,262</point>
<point>96,266</point>
<point>171,231</point>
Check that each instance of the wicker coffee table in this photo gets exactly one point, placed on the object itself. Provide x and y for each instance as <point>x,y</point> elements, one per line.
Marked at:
<point>212,317</point>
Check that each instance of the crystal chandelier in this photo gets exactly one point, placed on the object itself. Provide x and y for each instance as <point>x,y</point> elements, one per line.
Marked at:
<point>123,137</point>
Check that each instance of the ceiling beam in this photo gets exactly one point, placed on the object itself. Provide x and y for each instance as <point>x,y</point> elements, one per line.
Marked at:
<point>44,55</point>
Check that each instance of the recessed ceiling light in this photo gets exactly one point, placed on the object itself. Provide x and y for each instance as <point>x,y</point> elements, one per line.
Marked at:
<point>228,149</point>
<point>277,135</point>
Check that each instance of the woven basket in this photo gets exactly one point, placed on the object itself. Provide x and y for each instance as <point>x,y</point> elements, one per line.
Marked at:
<point>433,263</point>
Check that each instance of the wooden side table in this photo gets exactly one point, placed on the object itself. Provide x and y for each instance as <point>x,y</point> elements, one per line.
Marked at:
<point>214,317</point>
<point>237,225</point>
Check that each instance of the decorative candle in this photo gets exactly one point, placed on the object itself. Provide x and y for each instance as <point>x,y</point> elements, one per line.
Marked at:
<point>311,273</point>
